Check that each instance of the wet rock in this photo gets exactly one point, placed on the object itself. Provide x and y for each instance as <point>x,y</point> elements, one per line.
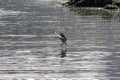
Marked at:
<point>89,2</point>
<point>82,2</point>
<point>62,1</point>
<point>111,6</point>
<point>116,1</point>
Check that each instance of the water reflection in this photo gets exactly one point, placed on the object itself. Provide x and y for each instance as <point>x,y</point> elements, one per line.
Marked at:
<point>63,53</point>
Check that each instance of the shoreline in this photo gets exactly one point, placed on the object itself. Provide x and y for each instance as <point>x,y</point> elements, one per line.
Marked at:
<point>93,10</point>
<point>84,3</point>
<point>87,11</point>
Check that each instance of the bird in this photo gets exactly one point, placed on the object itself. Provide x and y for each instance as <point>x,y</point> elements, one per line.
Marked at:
<point>62,37</point>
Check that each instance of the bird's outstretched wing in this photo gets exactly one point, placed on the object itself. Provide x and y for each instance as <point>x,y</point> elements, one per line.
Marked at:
<point>58,35</point>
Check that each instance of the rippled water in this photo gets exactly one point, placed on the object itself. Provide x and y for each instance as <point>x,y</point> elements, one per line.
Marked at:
<point>30,51</point>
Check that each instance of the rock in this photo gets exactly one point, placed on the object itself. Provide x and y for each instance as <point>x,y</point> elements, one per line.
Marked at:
<point>62,1</point>
<point>116,1</point>
<point>111,6</point>
<point>89,2</point>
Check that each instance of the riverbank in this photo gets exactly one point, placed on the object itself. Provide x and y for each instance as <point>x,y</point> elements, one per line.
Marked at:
<point>89,11</point>
<point>91,3</point>
<point>107,11</point>
<point>106,4</point>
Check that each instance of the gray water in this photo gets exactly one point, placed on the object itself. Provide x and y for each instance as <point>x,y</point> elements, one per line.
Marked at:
<point>30,51</point>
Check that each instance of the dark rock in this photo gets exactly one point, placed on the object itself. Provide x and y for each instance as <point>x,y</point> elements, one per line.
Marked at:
<point>90,2</point>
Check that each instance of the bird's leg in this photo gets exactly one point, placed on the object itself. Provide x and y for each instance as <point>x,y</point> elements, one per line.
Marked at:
<point>65,43</point>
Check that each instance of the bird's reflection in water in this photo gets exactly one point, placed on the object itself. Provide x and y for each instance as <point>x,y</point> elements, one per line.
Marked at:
<point>63,53</point>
